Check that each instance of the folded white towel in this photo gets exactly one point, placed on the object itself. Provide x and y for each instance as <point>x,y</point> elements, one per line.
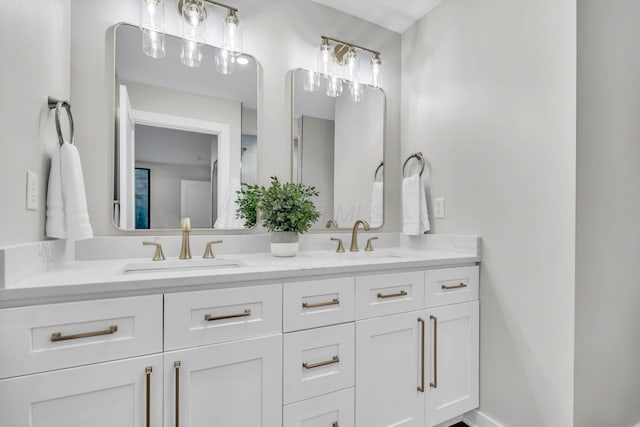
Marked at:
<point>377,205</point>
<point>415,217</point>
<point>227,217</point>
<point>67,215</point>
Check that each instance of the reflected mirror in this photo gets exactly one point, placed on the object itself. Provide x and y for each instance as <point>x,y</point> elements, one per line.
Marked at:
<point>186,138</point>
<point>338,147</point>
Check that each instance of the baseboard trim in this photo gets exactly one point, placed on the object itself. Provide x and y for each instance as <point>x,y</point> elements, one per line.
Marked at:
<point>478,419</point>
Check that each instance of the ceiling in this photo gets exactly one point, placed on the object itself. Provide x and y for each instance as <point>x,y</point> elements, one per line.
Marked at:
<point>395,15</point>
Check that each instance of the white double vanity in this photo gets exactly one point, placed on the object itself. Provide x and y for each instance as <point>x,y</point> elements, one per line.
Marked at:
<point>324,339</point>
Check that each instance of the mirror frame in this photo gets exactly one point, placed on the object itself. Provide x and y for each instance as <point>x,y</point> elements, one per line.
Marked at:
<point>112,201</point>
<point>384,152</point>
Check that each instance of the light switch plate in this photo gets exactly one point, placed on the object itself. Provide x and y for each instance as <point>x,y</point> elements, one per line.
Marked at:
<point>438,207</point>
<point>32,191</point>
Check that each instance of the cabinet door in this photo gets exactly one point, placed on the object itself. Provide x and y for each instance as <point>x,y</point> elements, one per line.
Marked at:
<point>236,384</point>
<point>453,358</point>
<point>388,371</point>
<point>102,395</point>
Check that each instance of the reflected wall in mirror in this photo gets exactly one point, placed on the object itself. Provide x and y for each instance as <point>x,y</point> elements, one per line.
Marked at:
<point>193,129</point>
<point>338,147</point>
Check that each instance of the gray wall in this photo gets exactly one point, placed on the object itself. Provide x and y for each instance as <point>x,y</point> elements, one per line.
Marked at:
<point>488,95</point>
<point>607,386</point>
<point>34,41</point>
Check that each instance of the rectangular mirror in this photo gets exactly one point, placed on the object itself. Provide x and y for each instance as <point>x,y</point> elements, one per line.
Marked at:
<point>338,147</point>
<point>186,138</point>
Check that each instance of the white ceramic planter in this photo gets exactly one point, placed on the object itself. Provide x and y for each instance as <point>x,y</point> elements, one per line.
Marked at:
<point>284,243</point>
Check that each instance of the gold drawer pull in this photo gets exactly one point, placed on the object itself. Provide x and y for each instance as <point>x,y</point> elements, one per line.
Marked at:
<point>421,386</point>
<point>334,359</point>
<point>57,336</point>
<point>399,294</point>
<point>148,371</point>
<point>334,301</point>
<point>461,285</point>
<point>176,366</point>
<point>210,318</point>
<point>434,384</point>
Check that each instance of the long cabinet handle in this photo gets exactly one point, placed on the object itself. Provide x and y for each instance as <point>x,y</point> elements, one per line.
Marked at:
<point>334,359</point>
<point>148,371</point>
<point>421,386</point>
<point>57,336</point>
<point>210,318</point>
<point>434,384</point>
<point>461,285</point>
<point>334,301</point>
<point>399,294</point>
<point>177,365</point>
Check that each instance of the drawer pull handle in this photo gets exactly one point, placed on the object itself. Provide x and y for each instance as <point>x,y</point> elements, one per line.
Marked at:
<point>148,371</point>
<point>461,285</point>
<point>399,294</point>
<point>434,384</point>
<point>57,336</point>
<point>334,301</point>
<point>421,386</point>
<point>176,366</point>
<point>334,359</point>
<point>210,318</point>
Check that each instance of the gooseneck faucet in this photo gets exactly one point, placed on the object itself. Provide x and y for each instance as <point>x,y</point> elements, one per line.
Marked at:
<point>354,234</point>
<point>185,251</point>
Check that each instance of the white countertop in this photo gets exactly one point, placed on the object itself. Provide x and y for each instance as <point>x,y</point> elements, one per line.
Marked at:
<point>92,279</point>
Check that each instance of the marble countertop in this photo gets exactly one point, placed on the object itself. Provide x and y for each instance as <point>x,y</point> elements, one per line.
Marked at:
<point>102,278</point>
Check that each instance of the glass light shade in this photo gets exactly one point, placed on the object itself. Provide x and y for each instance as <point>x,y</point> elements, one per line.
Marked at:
<point>225,62</point>
<point>334,87</point>
<point>311,81</point>
<point>355,92</point>
<point>324,59</point>
<point>351,65</point>
<point>153,43</point>
<point>376,72</point>
<point>191,54</point>
<point>193,19</point>
<point>232,34</point>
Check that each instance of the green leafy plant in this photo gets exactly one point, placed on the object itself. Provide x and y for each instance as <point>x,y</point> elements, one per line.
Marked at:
<point>283,206</point>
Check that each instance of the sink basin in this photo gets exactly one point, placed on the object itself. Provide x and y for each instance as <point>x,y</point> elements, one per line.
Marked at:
<point>179,265</point>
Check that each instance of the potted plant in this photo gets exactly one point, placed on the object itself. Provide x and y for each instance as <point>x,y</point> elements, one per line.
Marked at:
<point>286,210</point>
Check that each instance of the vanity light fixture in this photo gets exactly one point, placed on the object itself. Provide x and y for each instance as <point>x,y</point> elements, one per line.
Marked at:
<point>338,61</point>
<point>194,16</point>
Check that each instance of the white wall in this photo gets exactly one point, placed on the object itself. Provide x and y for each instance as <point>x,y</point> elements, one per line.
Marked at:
<point>281,34</point>
<point>34,41</point>
<point>318,141</point>
<point>488,95</point>
<point>607,376</point>
<point>358,141</point>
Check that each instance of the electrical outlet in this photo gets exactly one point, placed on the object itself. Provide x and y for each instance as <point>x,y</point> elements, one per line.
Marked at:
<point>438,208</point>
<point>32,191</point>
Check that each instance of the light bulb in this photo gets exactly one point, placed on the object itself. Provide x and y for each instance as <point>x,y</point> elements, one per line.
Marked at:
<point>311,81</point>
<point>232,34</point>
<point>324,60</point>
<point>225,62</point>
<point>334,87</point>
<point>193,18</point>
<point>352,65</point>
<point>376,72</point>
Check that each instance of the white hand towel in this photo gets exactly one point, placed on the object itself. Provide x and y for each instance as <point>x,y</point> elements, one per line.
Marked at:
<point>67,214</point>
<point>227,217</point>
<point>377,209</point>
<point>415,217</point>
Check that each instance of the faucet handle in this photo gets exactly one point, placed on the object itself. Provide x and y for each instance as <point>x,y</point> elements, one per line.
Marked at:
<point>208,252</point>
<point>158,256</point>
<point>369,247</point>
<point>340,248</point>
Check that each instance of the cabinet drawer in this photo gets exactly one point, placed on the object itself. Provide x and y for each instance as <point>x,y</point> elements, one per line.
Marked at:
<point>331,410</point>
<point>221,315</point>
<point>318,303</point>
<point>318,361</point>
<point>43,338</point>
<point>451,286</point>
<point>389,294</point>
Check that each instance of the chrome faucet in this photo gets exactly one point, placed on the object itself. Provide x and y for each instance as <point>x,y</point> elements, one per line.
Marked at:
<point>185,251</point>
<point>354,234</point>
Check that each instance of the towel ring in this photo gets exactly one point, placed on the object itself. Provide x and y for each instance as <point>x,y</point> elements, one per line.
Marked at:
<point>375,174</point>
<point>59,105</point>
<point>418,156</point>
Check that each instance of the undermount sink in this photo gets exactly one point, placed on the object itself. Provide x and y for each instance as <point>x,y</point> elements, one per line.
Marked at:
<point>179,265</point>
